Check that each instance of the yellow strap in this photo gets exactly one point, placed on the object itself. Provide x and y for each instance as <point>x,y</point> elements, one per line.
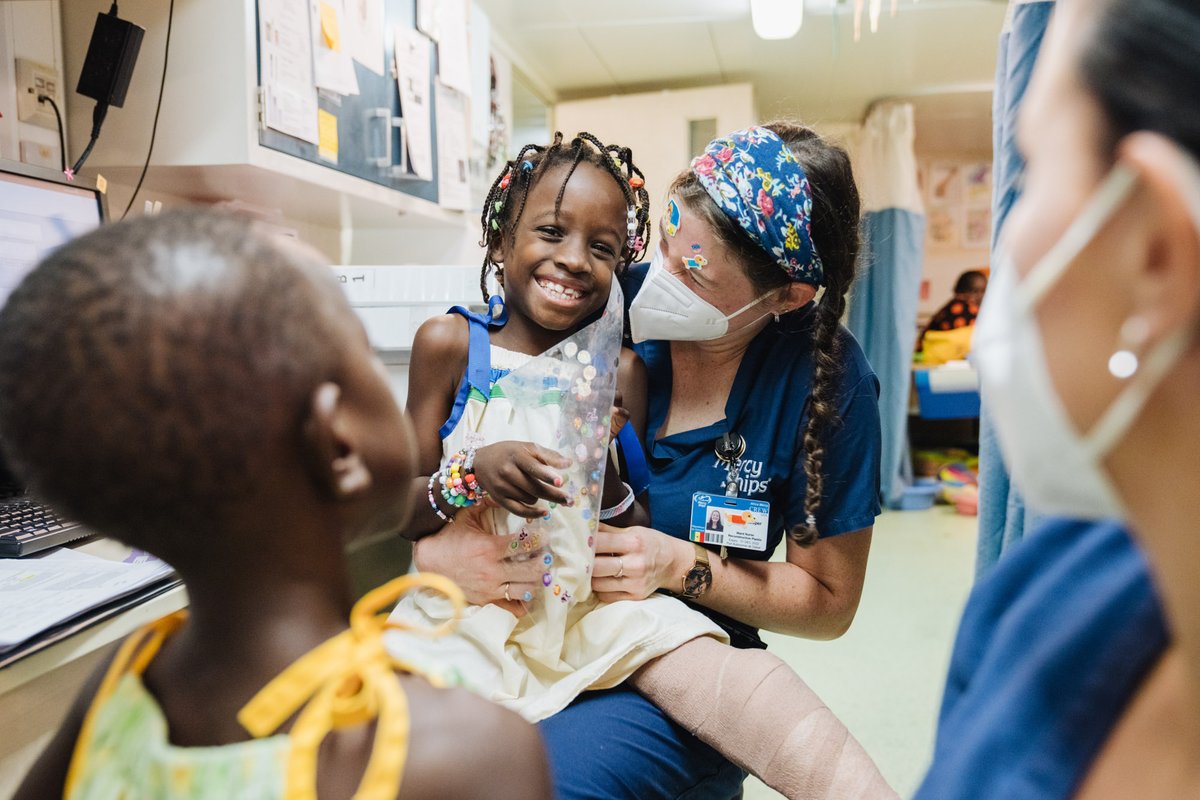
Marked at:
<point>349,680</point>
<point>135,653</point>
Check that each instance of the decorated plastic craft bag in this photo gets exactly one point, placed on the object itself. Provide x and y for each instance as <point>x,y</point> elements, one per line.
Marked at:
<point>562,400</point>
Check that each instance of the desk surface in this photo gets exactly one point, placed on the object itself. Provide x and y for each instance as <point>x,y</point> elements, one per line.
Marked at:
<point>90,639</point>
<point>36,691</point>
<point>96,636</point>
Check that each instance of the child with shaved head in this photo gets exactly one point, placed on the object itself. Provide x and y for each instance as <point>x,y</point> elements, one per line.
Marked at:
<point>195,388</point>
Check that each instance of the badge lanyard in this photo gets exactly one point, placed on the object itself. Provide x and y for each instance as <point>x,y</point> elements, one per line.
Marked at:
<point>726,519</point>
<point>730,448</point>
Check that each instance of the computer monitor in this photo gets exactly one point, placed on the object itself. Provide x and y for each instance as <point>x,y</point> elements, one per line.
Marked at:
<point>39,210</point>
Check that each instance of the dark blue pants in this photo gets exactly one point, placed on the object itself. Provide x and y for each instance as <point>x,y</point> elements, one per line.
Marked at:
<point>616,744</point>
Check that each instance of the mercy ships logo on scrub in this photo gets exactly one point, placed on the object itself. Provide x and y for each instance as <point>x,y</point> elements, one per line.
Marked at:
<point>750,481</point>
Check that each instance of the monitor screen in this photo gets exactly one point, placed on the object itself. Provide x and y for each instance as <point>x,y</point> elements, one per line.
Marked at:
<point>37,215</point>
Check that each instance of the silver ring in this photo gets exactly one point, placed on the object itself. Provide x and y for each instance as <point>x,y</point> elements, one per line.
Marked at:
<point>506,597</point>
<point>620,568</point>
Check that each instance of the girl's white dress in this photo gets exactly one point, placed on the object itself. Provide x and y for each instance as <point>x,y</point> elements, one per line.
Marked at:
<point>569,641</point>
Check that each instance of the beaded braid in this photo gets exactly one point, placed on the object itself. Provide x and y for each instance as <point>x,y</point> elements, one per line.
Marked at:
<point>835,226</point>
<point>499,221</point>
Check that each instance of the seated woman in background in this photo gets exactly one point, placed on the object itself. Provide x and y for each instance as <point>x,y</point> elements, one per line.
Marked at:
<point>1064,681</point>
<point>947,337</point>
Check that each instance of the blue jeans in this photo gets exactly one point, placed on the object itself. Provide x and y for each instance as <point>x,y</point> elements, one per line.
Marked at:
<point>616,744</point>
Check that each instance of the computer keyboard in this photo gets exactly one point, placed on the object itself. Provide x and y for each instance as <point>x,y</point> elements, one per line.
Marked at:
<point>27,526</point>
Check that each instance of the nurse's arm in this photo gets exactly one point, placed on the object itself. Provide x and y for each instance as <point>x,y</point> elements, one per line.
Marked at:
<point>814,593</point>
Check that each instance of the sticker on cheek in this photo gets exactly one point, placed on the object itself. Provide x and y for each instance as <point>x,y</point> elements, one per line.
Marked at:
<point>671,218</point>
<point>696,260</point>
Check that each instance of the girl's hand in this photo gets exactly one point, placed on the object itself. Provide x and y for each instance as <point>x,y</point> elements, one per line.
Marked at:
<point>619,415</point>
<point>633,563</point>
<point>516,475</point>
<point>481,563</point>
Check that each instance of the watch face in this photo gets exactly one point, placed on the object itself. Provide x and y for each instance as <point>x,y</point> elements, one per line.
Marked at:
<point>697,581</point>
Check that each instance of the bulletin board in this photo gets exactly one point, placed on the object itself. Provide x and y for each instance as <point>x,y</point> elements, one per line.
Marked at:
<point>363,120</point>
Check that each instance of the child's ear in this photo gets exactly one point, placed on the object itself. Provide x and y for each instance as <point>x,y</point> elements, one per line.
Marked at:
<point>333,454</point>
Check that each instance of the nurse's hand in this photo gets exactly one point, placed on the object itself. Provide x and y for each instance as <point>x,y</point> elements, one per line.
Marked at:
<point>482,564</point>
<point>633,563</point>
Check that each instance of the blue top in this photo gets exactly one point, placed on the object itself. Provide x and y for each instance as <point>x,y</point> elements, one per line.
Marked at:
<point>1052,646</point>
<point>768,406</point>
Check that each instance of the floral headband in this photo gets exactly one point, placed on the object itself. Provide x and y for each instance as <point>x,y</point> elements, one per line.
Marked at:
<point>753,177</point>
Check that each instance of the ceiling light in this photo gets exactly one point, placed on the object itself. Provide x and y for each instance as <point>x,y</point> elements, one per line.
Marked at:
<point>776,19</point>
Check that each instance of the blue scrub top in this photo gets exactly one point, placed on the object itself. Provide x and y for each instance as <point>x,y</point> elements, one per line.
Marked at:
<point>768,405</point>
<point>1052,647</point>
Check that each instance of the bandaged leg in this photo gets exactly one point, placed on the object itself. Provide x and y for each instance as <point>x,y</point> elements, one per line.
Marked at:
<point>759,714</point>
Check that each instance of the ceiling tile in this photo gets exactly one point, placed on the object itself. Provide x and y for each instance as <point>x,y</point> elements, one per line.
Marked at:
<point>638,55</point>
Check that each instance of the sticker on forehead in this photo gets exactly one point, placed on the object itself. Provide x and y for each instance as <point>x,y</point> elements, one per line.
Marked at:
<point>671,218</point>
<point>696,260</point>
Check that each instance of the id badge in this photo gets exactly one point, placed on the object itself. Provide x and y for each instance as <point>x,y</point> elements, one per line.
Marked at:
<point>730,521</point>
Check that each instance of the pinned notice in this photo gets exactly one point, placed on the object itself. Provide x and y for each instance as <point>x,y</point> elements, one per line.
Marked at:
<point>327,136</point>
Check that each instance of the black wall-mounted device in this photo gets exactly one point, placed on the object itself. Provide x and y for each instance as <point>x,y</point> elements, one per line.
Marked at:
<point>111,55</point>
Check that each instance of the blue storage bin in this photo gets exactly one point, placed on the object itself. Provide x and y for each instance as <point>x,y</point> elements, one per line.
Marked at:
<point>944,405</point>
<point>916,498</point>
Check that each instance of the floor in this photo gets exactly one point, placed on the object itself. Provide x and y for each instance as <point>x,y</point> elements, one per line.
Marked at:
<point>884,677</point>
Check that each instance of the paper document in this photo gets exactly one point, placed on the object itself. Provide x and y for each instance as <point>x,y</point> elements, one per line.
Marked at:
<point>37,594</point>
<point>333,69</point>
<point>454,49</point>
<point>327,146</point>
<point>363,33</point>
<point>413,52</point>
<point>454,149</point>
<point>285,41</point>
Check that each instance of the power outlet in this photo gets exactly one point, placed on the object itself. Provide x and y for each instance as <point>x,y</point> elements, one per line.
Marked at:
<point>35,79</point>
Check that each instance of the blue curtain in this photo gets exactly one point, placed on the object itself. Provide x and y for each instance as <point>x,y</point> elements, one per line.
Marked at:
<point>883,308</point>
<point>1003,516</point>
<point>883,316</point>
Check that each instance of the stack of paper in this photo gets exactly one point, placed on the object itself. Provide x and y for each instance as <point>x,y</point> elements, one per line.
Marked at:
<point>43,598</point>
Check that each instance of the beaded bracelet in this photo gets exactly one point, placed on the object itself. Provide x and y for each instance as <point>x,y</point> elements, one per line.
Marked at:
<point>459,486</point>
<point>432,502</point>
<point>621,507</point>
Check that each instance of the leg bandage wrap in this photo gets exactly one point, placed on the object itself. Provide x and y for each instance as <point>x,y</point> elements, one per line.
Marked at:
<point>759,714</point>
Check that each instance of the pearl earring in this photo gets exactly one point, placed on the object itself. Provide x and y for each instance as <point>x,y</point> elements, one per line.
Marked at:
<point>1123,364</point>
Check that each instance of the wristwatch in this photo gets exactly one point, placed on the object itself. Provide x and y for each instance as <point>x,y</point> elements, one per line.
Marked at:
<point>698,579</point>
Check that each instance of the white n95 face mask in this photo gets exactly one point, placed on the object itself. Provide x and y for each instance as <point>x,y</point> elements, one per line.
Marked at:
<point>666,309</point>
<point>1058,469</point>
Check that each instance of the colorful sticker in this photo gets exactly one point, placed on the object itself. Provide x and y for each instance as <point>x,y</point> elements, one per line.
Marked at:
<point>671,218</point>
<point>696,260</point>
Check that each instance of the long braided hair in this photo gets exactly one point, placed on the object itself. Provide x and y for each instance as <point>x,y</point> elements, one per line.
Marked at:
<point>506,199</point>
<point>835,232</point>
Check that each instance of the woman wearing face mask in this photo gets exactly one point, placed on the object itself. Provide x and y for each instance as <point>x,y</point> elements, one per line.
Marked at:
<point>1064,681</point>
<point>759,400</point>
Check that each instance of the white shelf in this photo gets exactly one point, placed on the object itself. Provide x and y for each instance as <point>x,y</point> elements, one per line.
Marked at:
<point>207,146</point>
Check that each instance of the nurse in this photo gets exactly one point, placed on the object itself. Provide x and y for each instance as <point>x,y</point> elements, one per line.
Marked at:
<point>1065,681</point>
<point>758,399</point>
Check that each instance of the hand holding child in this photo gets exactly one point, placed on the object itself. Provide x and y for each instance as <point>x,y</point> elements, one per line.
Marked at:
<point>480,562</point>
